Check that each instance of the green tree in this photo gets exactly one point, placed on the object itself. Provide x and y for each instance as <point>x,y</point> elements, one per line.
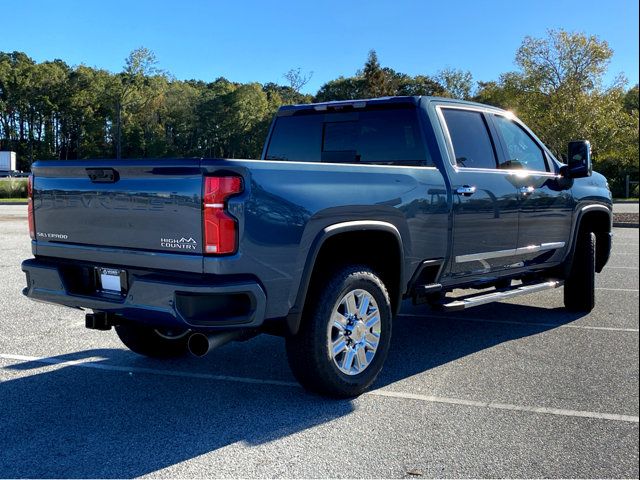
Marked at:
<point>90,111</point>
<point>284,94</point>
<point>375,80</point>
<point>178,119</point>
<point>631,99</point>
<point>342,88</point>
<point>419,85</point>
<point>559,93</point>
<point>16,79</point>
<point>456,83</point>
<point>563,59</point>
<point>247,111</point>
<point>52,110</point>
<point>210,111</point>
<point>128,86</point>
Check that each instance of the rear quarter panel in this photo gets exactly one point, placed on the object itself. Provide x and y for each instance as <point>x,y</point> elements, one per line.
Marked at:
<point>287,205</point>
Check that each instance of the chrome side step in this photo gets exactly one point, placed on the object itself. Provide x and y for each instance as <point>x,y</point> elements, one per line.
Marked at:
<point>499,295</point>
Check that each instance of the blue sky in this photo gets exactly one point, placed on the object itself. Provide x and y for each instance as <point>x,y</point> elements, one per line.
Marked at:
<point>260,40</point>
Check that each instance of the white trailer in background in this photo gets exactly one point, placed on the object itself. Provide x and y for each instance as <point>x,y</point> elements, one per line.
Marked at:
<point>7,162</point>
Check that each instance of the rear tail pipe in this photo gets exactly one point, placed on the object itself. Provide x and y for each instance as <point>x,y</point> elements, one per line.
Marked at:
<point>200,344</point>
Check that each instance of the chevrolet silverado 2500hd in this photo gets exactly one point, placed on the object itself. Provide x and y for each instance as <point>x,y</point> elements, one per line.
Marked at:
<point>354,206</point>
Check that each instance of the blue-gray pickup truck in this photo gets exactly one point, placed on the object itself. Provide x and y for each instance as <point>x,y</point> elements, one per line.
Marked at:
<point>353,207</point>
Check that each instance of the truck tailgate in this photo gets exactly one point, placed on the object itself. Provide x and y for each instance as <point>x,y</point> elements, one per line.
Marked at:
<point>150,205</point>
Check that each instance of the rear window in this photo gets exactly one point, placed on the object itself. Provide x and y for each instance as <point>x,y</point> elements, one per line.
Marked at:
<point>296,139</point>
<point>386,137</point>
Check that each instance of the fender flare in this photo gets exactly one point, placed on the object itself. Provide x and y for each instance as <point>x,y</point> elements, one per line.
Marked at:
<point>594,207</point>
<point>294,317</point>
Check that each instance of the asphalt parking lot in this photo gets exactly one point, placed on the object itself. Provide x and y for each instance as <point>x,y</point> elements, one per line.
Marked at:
<point>515,389</point>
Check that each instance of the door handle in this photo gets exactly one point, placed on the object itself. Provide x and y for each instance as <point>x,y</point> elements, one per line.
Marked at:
<point>466,190</point>
<point>527,190</point>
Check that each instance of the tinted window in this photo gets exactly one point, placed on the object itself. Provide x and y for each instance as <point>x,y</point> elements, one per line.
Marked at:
<point>470,138</point>
<point>522,151</point>
<point>388,136</point>
<point>340,142</point>
<point>297,138</point>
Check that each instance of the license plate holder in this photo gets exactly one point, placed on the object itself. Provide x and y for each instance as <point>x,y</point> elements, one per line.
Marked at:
<point>111,280</point>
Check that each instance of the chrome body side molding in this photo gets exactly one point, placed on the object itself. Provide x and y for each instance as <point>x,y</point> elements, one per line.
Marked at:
<point>477,257</point>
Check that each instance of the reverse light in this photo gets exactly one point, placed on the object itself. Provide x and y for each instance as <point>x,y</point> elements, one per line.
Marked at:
<point>32,223</point>
<point>219,228</point>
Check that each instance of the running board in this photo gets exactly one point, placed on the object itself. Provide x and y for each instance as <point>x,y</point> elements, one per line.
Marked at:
<point>421,292</point>
<point>497,296</point>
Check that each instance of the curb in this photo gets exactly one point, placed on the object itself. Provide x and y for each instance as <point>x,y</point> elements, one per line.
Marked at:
<point>13,203</point>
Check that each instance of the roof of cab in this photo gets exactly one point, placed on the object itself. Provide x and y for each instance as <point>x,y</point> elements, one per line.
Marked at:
<point>364,102</point>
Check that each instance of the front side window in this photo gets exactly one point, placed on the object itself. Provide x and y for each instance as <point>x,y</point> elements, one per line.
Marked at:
<point>470,138</point>
<point>522,151</point>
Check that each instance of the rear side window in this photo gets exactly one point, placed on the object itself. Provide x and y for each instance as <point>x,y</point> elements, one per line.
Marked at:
<point>470,138</point>
<point>386,137</point>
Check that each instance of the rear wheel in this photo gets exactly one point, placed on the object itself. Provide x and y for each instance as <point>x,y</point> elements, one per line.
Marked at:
<point>579,287</point>
<point>344,338</point>
<point>152,342</point>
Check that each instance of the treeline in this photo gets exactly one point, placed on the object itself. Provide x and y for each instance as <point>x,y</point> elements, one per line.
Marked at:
<point>53,110</point>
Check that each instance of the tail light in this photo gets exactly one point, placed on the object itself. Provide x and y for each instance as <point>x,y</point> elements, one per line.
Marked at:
<point>32,223</point>
<point>220,229</point>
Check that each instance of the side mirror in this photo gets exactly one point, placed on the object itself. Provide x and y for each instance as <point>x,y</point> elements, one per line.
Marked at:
<point>579,161</point>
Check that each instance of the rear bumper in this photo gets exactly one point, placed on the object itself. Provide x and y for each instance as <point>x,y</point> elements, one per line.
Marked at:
<point>154,299</point>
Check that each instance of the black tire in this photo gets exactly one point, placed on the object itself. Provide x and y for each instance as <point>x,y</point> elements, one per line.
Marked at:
<point>308,351</point>
<point>579,287</point>
<point>150,342</point>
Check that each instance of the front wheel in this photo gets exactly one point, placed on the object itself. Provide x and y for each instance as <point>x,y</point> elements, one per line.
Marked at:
<point>153,342</point>
<point>345,334</point>
<point>579,287</point>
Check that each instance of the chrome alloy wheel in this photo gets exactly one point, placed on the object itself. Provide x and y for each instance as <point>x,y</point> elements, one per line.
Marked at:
<point>354,332</point>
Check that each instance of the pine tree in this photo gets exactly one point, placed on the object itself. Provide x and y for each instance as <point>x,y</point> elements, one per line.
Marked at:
<point>374,77</point>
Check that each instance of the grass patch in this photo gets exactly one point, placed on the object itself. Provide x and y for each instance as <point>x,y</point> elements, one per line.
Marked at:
<point>13,188</point>
<point>13,200</point>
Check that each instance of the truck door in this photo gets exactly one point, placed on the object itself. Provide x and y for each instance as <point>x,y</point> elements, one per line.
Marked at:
<point>485,199</point>
<point>546,203</point>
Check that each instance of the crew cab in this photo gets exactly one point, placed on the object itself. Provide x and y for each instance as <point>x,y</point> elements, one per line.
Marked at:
<point>353,207</point>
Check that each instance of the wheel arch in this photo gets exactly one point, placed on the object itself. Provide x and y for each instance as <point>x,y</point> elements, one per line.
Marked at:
<point>598,219</point>
<point>335,245</point>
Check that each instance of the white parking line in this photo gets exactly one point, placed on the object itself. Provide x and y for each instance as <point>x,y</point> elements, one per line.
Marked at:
<point>507,406</point>
<point>375,393</point>
<point>91,363</point>
<point>621,268</point>
<point>516,322</point>
<point>634,290</point>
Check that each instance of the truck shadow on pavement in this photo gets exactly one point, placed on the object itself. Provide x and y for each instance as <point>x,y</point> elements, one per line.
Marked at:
<point>66,421</point>
<point>425,340</point>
